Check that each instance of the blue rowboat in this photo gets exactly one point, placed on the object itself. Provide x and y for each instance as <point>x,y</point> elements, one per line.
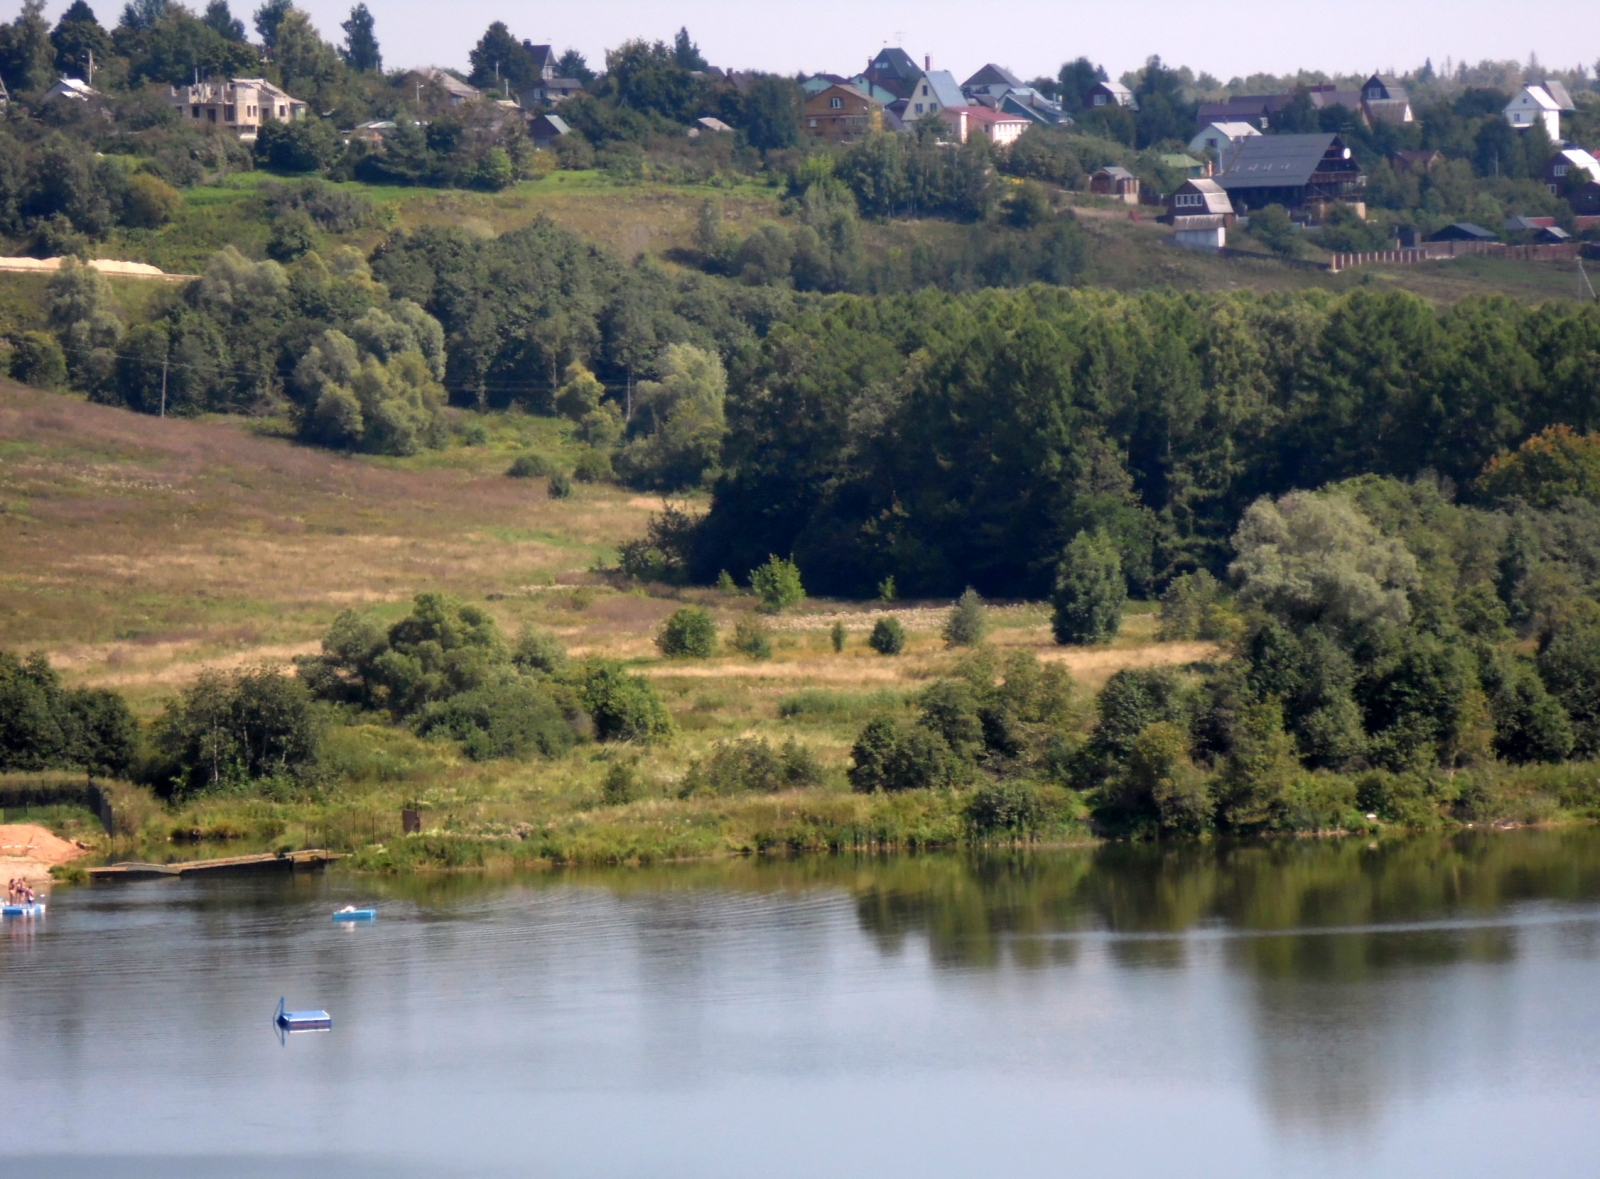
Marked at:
<point>34,910</point>
<point>351,913</point>
<point>302,1021</point>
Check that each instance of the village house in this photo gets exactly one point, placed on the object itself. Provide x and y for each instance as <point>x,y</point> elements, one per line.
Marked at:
<point>998,127</point>
<point>547,89</point>
<point>1535,105</point>
<point>1199,198</point>
<point>1386,101</point>
<point>841,114</point>
<point>1115,181</point>
<point>1112,94</point>
<point>1201,214</point>
<point>1416,161</point>
<point>71,89</point>
<point>896,72</point>
<point>1290,170</point>
<point>1219,138</point>
<point>999,89</point>
<point>453,90</point>
<point>936,91</point>
<point>240,105</point>
<point>1569,166</point>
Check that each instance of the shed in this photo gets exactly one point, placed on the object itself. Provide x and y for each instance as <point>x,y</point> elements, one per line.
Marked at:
<point>1462,231</point>
<point>546,129</point>
<point>1116,181</point>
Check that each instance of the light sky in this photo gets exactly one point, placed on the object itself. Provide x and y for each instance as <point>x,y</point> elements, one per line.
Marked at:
<point>1032,37</point>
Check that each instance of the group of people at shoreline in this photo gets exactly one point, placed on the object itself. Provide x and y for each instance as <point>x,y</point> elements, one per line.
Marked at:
<point>18,893</point>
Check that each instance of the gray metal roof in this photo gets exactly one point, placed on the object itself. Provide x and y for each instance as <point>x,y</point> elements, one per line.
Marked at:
<point>992,75</point>
<point>945,90</point>
<point>1275,161</point>
<point>1558,91</point>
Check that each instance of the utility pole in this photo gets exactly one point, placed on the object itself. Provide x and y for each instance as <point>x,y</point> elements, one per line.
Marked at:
<point>90,78</point>
<point>163,386</point>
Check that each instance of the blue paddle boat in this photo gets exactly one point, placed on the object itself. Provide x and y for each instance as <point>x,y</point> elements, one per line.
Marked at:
<point>34,909</point>
<point>302,1021</point>
<point>351,913</point>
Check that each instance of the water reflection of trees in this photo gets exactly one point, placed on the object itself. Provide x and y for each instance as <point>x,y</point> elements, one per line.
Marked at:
<point>1340,945</point>
<point>1331,901</point>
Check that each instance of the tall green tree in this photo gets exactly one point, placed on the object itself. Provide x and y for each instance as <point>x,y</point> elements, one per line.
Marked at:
<point>1089,591</point>
<point>219,19</point>
<point>76,37</point>
<point>360,50</point>
<point>27,56</point>
<point>685,52</point>
<point>269,17</point>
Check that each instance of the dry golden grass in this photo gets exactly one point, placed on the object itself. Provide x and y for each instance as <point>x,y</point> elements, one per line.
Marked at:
<point>137,551</point>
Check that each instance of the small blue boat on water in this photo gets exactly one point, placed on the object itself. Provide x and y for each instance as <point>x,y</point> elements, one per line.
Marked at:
<point>302,1021</point>
<point>35,909</point>
<point>351,913</point>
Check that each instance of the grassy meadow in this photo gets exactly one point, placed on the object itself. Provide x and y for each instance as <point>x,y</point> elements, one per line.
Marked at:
<point>635,219</point>
<point>137,551</point>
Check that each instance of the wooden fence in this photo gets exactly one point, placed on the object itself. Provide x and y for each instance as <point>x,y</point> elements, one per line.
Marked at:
<point>1443,251</point>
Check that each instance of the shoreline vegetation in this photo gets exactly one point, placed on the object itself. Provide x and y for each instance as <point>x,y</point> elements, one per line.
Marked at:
<point>1376,657</point>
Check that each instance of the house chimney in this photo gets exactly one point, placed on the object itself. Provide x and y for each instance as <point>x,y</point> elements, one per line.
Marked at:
<point>927,62</point>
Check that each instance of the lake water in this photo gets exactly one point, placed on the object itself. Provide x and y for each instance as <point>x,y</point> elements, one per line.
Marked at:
<point>1429,1007</point>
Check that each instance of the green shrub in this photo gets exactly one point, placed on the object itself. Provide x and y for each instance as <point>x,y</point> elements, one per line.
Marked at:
<point>888,637</point>
<point>150,203</point>
<point>514,719</point>
<point>968,623</point>
<point>539,651</point>
<point>623,706</point>
<point>1089,591</point>
<point>231,730</point>
<point>529,466</point>
<point>593,466</point>
<point>891,756</point>
<point>887,591</point>
<point>1005,806</point>
<point>777,584</point>
<point>37,360</point>
<point>750,638</point>
<point>690,632</point>
<point>751,766</point>
<point>560,486</point>
<point>837,637</point>
<point>621,785</point>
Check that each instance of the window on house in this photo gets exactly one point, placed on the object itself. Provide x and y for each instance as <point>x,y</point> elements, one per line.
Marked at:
<point>835,103</point>
<point>1561,169</point>
<point>211,114</point>
<point>1099,100</point>
<point>194,112</point>
<point>1552,189</point>
<point>919,108</point>
<point>228,113</point>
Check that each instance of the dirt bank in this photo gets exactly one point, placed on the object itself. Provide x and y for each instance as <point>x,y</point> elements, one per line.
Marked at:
<point>29,851</point>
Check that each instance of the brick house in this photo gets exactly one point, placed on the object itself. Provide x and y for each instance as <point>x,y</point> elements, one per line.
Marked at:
<point>241,105</point>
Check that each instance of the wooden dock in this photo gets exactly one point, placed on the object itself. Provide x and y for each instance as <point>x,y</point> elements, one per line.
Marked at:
<point>310,860</point>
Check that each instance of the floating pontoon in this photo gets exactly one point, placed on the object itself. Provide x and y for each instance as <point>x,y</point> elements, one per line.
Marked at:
<point>36,909</point>
<point>351,913</point>
<point>303,1021</point>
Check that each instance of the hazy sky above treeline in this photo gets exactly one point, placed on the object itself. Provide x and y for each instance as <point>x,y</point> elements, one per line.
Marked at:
<point>1032,37</point>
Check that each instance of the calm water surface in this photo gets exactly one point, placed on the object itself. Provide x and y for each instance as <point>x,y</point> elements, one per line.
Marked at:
<point>1426,1008</point>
